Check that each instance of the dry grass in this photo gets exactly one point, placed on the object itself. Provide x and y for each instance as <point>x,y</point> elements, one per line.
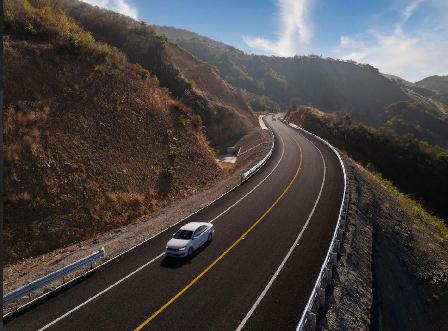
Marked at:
<point>86,136</point>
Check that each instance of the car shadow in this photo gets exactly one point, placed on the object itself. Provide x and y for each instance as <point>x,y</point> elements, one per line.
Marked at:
<point>177,262</point>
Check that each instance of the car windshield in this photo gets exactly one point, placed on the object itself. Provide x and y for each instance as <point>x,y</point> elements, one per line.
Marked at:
<point>183,234</point>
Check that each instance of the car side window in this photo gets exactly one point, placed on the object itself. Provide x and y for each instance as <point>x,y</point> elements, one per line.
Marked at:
<point>203,228</point>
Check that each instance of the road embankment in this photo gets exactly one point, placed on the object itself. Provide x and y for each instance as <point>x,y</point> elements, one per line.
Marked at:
<point>393,273</point>
<point>124,238</point>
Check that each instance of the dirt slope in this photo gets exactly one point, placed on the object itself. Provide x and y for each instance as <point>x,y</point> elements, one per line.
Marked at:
<point>224,112</point>
<point>393,270</point>
<point>91,141</point>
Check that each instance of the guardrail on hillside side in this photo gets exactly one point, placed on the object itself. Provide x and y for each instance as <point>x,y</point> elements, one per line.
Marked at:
<point>55,275</point>
<point>326,271</point>
<point>246,175</point>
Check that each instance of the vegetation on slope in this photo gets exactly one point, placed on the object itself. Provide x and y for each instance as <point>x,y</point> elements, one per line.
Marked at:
<point>435,83</point>
<point>415,167</point>
<point>328,84</point>
<point>420,215</point>
<point>91,141</point>
<point>420,120</point>
<point>224,112</point>
<point>342,87</point>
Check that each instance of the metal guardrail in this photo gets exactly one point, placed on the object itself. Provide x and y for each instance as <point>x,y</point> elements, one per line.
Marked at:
<point>246,175</point>
<point>58,274</point>
<point>61,273</point>
<point>331,257</point>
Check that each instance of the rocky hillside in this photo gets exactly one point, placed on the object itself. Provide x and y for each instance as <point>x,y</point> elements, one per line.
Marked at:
<point>223,110</point>
<point>91,140</point>
<point>415,167</point>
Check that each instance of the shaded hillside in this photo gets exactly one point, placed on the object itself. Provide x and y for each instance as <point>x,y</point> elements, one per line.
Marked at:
<point>329,84</point>
<point>419,119</point>
<point>393,253</point>
<point>415,167</point>
<point>271,83</point>
<point>223,111</point>
<point>398,80</point>
<point>435,83</point>
<point>91,141</point>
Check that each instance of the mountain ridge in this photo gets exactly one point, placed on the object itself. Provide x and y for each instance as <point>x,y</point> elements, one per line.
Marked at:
<point>224,112</point>
<point>92,141</point>
<point>334,86</point>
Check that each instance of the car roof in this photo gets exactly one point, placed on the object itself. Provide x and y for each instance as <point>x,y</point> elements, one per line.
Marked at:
<point>192,226</point>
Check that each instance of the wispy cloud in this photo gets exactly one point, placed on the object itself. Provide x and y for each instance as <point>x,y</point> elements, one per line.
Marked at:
<point>120,6</point>
<point>294,31</point>
<point>409,55</point>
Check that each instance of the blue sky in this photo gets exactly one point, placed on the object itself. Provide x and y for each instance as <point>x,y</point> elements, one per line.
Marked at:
<point>408,38</point>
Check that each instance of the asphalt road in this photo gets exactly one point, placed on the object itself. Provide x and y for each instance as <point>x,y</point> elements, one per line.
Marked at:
<point>272,234</point>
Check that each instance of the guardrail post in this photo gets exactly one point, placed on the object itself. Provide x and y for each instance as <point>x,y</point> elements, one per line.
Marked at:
<point>340,234</point>
<point>321,293</point>
<point>329,275</point>
<point>343,223</point>
<point>337,246</point>
<point>312,320</point>
<point>334,258</point>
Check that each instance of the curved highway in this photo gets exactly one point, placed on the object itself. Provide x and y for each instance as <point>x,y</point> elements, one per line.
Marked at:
<point>272,234</point>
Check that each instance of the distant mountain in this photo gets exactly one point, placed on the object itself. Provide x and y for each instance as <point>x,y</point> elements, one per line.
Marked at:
<point>435,83</point>
<point>398,80</point>
<point>175,34</point>
<point>330,85</point>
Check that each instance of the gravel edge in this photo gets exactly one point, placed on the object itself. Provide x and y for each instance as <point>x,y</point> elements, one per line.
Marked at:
<point>121,239</point>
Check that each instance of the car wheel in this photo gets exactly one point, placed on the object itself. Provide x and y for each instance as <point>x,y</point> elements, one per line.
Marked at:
<point>190,251</point>
<point>210,237</point>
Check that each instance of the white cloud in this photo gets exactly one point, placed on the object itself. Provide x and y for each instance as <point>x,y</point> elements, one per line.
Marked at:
<point>295,29</point>
<point>119,6</point>
<point>409,10</point>
<point>409,55</point>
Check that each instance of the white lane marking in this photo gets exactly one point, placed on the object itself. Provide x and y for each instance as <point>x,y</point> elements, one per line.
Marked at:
<point>255,187</point>
<point>291,249</point>
<point>160,255</point>
<point>100,293</point>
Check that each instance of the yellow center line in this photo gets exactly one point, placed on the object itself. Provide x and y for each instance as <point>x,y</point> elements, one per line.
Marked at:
<point>211,265</point>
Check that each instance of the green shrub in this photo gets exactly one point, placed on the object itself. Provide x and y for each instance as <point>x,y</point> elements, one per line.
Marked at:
<point>414,166</point>
<point>174,151</point>
<point>183,120</point>
<point>196,120</point>
<point>167,172</point>
<point>45,17</point>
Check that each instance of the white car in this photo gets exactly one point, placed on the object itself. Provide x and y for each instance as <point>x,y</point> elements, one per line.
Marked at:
<point>189,238</point>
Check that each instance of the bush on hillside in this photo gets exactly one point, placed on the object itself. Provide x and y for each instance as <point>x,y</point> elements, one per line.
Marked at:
<point>414,166</point>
